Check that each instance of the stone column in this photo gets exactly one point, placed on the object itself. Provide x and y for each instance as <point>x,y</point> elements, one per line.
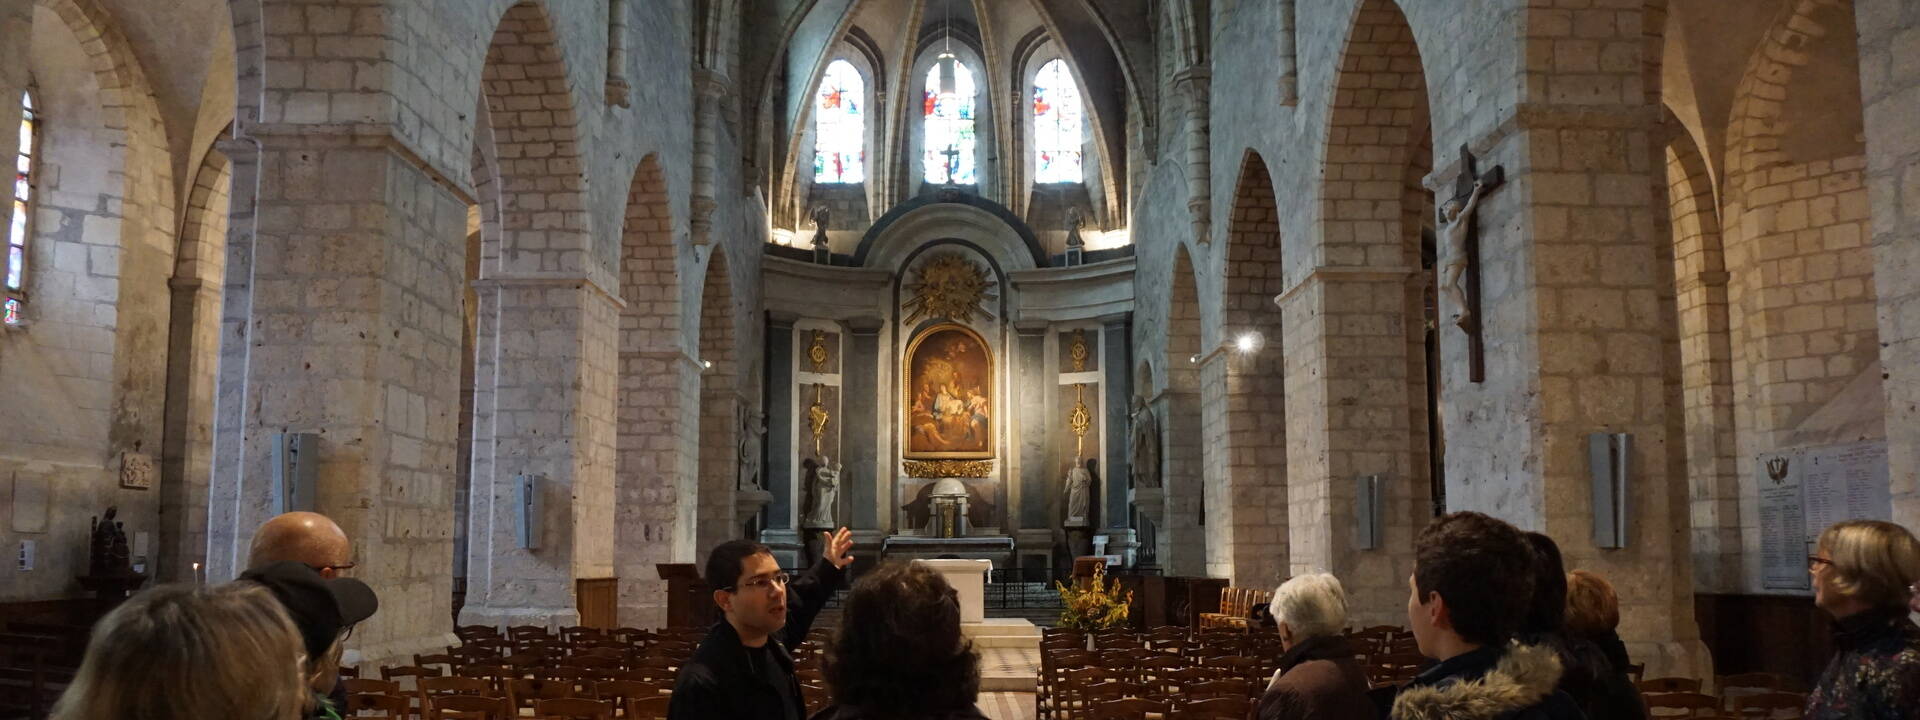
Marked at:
<point>555,355</point>
<point>777,477</point>
<point>864,478</point>
<point>1115,466</point>
<point>342,319</point>
<point>1196,82</point>
<point>1346,387</point>
<point>1890,88</point>
<point>710,92</point>
<point>1032,387</point>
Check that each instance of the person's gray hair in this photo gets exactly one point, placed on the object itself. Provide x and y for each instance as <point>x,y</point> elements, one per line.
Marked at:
<point>1311,605</point>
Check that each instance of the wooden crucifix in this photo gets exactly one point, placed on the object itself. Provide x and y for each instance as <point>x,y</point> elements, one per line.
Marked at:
<point>1460,268</point>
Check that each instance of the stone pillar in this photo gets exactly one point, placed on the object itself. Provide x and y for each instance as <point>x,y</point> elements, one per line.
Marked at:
<point>1033,386</point>
<point>342,318</point>
<point>778,475</point>
<point>710,92</point>
<point>1196,82</point>
<point>864,478</point>
<point>555,355</point>
<point>1346,389</point>
<point>618,90</point>
<point>1890,89</point>
<point>1116,468</point>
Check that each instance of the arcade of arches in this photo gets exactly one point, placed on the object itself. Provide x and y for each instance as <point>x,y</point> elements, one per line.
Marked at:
<point>976,278</point>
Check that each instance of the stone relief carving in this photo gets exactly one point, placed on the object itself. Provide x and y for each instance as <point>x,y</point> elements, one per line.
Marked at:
<point>1146,445</point>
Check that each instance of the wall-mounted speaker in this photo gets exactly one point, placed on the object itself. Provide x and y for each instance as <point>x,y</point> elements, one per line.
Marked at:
<point>1608,456</point>
<point>527,509</point>
<point>296,472</point>
<point>1369,513</point>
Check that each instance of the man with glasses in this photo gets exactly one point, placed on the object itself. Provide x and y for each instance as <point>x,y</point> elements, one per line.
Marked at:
<point>307,538</point>
<point>742,668</point>
<point>310,539</point>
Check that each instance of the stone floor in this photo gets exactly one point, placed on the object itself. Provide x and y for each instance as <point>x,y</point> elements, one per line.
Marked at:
<point>1001,671</point>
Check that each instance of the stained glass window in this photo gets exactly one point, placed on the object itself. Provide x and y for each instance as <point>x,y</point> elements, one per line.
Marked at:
<point>948,109</point>
<point>1056,125</point>
<point>840,126</point>
<point>10,308</point>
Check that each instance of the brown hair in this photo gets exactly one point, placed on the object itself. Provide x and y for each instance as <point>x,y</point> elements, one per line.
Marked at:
<point>1482,567</point>
<point>178,652</point>
<point>1592,607</point>
<point>899,652</point>
<point>1873,560</point>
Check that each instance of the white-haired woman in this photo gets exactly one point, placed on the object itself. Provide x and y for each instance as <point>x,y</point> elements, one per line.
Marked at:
<point>1318,677</point>
<point>1863,573</point>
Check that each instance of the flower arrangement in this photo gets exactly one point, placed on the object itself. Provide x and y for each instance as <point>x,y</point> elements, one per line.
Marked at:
<point>1095,605</point>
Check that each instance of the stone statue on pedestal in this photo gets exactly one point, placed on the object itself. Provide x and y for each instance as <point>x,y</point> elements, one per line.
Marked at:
<point>822,492</point>
<point>752,426</point>
<point>1079,489</point>
<point>107,551</point>
<point>1146,445</point>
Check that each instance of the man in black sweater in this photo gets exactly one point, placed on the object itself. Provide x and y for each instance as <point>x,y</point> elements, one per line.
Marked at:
<point>742,669</point>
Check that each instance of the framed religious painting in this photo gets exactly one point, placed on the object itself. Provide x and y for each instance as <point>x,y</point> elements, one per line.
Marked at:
<point>949,394</point>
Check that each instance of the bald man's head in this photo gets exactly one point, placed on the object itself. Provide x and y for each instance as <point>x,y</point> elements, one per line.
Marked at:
<point>303,537</point>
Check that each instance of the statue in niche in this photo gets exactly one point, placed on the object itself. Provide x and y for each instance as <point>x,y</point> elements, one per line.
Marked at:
<point>1146,445</point>
<point>1079,489</point>
<point>752,426</point>
<point>823,490</point>
<point>107,550</point>
<point>1456,218</point>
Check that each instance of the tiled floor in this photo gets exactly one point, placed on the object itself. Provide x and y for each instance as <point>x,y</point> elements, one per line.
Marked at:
<point>999,668</point>
<point>1007,705</point>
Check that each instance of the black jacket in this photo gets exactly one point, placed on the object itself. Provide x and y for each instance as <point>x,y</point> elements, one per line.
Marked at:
<point>1515,682</point>
<point>719,683</point>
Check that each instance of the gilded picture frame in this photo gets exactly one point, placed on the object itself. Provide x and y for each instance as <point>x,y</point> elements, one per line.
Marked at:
<point>947,395</point>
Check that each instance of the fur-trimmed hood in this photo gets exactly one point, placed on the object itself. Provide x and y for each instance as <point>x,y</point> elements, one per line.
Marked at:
<point>1525,676</point>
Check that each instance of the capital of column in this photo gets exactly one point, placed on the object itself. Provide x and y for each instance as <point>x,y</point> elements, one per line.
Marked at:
<point>292,137</point>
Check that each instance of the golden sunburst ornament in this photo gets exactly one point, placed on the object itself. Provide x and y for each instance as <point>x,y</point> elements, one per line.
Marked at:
<point>948,287</point>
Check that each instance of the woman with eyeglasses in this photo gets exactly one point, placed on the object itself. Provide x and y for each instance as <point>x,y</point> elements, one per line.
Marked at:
<point>1863,574</point>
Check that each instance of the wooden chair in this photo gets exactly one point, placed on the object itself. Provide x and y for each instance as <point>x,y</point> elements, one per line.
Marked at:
<point>1128,709</point>
<point>1669,685</point>
<point>1681,705</point>
<point>432,689</point>
<point>526,692</point>
<point>652,674</point>
<point>573,709</point>
<point>1754,680</point>
<point>1228,688</point>
<point>1220,708</point>
<point>371,686</point>
<point>1174,682</point>
<point>446,661</point>
<point>648,708</point>
<point>389,706</point>
<point>469,707</point>
<point>619,692</point>
<point>1070,696</point>
<point>815,697</point>
<point>527,631</point>
<point>1768,705</point>
<point>395,673</point>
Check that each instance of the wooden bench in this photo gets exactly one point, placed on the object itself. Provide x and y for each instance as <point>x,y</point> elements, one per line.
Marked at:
<point>1236,608</point>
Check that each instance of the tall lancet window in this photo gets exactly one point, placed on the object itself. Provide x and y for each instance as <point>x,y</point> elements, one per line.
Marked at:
<point>1056,125</point>
<point>840,126</point>
<point>13,292</point>
<point>949,156</point>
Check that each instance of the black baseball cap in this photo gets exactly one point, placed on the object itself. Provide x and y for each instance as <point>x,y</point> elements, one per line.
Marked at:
<point>320,607</point>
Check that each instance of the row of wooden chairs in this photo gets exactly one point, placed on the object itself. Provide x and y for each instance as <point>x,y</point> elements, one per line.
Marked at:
<point>371,706</point>
<point>1748,696</point>
<point>516,694</point>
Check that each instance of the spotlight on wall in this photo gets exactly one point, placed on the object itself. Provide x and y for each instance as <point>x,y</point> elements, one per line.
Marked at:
<point>706,364</point>
<point>1245,343</point>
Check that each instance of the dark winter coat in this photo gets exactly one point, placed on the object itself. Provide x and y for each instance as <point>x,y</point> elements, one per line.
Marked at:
<point>719,682</point>
<point>1514,682</point>
<point>1875,671</point>
<point>839,712</point>
<point>1318,680</point>
<point>1613,694</point>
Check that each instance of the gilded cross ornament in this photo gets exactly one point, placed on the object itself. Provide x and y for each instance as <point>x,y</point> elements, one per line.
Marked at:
<point>1080,420</point>
<point>948,286</point>
<point>817,418</point>
<point>817,354</point>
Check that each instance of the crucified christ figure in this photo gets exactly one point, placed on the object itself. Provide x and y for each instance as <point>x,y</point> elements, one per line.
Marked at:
<point>1457,219</point>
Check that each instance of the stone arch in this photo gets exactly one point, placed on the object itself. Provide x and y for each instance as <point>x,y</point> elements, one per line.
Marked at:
<point>524,85</point>
<point>658,387</point>
<point>1804,341</point>
<point>720,405</point>
<point>1356,391</point>
<point>193,346</point>
<point>1182,540</point>
<point>1706,368</point>
<point>1248,540</point>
